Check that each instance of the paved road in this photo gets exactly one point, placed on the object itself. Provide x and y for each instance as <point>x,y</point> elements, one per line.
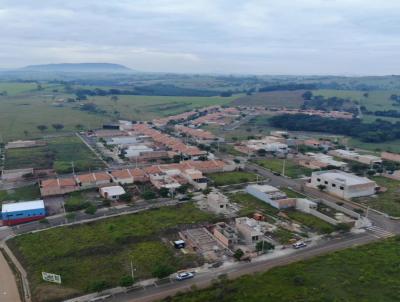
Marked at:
<point>8,288</point>
<point>203,280</point>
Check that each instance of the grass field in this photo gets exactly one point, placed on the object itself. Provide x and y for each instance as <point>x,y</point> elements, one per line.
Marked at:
<point>368,273</point>
<point>230,178</point>
<point>289,99</point>
<point>25,107</point>
<point>387,202</point>
<point>101,252</point>
<point>20,194</point>
<point>58,154</point>
<point>250,205</point>
<point>311,221</point>
<point>392,146</point>
<point>292,170</point>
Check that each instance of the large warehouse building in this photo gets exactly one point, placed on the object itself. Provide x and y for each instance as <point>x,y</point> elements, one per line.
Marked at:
<point>20,212</point>
<point>342,184</point>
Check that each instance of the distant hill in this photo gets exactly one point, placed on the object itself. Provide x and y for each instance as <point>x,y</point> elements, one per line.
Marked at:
<point>78,67</point>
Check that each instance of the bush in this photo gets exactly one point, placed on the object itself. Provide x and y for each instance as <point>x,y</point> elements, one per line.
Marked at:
<point>147,195</point>
<point>162,271</point>
<point>97,286</point>
<point>91,209</point>
<point>126,281</point>
<point>70,216</point>
<point>238,254</point>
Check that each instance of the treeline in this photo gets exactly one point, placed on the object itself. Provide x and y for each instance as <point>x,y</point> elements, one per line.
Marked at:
<point>285,87</point>
<point>376,132</point>
<point>319,102</point>
<point>157,89</point>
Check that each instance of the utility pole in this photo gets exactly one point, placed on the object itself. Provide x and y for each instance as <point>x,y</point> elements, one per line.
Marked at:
<point>132,271</point>
<point>73,167</point>
<point>283,167</point>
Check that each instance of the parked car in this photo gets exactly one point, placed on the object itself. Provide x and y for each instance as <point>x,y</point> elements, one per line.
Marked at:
<point>184,275</point>
<point>299,245</point>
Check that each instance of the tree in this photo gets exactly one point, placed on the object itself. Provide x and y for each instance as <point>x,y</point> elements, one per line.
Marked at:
<point>307,95</point>
<point>127,197</point>
<point>238,254</point>
<point>321,187</point>
<point>164,192</point>
<point>57,126</point>
<point>79,126</point>
<point>162,270</point>
<point>26,132</point>
<point>264,246</point>
<point>371,172</point>
<point>147,195</point>
<point>42,127</point>
<point>261,152</point>
<point>114,98</point>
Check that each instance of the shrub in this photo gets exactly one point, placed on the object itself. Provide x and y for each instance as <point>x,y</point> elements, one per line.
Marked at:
<point>126,281</point>
<point>162,270</point>
<point>91,209</point>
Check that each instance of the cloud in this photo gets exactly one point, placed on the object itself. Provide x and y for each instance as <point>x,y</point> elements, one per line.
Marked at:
<point>235,36</point>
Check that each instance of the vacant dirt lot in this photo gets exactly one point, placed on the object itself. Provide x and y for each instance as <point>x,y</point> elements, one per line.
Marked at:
<point>8,287</point>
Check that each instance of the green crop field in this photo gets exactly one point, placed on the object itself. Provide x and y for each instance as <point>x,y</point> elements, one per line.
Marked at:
<point>100,252</point>
<point>292,170</point>
<point>387,202</point>
<point>230,178</point>
<point>58,154</point>
<point>368,273</point>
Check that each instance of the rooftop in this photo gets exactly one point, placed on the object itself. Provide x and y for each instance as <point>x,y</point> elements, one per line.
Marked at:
<point>343,177</point>
<point>23,206</point>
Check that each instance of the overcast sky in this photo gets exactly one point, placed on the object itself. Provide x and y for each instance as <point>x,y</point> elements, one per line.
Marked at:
<point>206,36</point>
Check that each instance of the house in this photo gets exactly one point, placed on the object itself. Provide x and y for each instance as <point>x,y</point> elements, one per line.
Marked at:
<point>87,180</point>
<point>225,234</point>
<point>390,156</point>
<point>249,229</point>
<point>122,176</point>
<point>102,178</point>
<point>342,184</point>
<point>218,203</point>
<point>112,192</point>
<point>270,195</point>
<point>352,155</point>
<point>138,175</point>
<point>320,160</point>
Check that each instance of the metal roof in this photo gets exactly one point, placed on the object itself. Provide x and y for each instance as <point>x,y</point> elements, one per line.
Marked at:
<point>23,206</point>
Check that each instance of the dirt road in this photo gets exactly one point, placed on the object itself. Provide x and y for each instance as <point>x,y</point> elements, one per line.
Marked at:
<point>8,286</point>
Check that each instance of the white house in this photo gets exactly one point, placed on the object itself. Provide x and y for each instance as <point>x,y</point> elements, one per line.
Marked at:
<point>112,192</point>
<point>271,195</point>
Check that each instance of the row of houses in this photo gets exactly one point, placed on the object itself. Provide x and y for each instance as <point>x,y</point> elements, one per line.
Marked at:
<point>366,159</point>
<point>170,142</point>
<point>167,175</point>
<point>197,134</point>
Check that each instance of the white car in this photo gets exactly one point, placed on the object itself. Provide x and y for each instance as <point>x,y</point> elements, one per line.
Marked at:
<point>184,275</point>
<point>299,245</point>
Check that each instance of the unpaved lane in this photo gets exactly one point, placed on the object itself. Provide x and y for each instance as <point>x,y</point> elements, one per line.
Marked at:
<point>8,286</point>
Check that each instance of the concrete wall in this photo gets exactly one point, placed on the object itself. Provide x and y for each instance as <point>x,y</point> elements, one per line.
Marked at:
<point>323,217</point>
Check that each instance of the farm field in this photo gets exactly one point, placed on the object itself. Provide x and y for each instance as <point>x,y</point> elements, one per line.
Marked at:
<point>392,146</point>
<point>387,202</point>
<point>292,170</point>
<point>376,100</point>
<point>58,154</point>
<point>368,273</point>
<point>230,178</point>
<point>97,255</point>
<point>289,99</point>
